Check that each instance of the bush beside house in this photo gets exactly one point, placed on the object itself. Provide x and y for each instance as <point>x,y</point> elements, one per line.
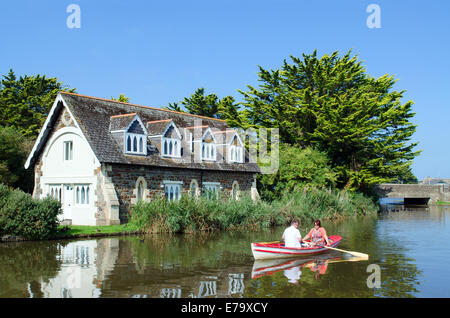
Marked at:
<point>23,216</point>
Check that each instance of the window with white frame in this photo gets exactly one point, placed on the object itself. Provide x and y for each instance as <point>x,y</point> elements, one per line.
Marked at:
<point>236,154</point>
<point>135,143</point>
<point>208,151</point>
<point>82,194</point>
<point>172,190</point>
<point>171,147</point>
<point>68,150</point>
<point>54,191</point>
<point>211,189</point>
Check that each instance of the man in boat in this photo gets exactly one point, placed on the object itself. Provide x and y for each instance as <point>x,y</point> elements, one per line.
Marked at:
<point>291,235</point>
<point>317,234</point>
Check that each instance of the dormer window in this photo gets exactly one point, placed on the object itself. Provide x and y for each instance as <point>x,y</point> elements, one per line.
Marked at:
<point>135,143</point>
<point>171,142</point>
<point>209,149</point>
<point>236,150</point>
<point>134,133</point>
<point>171,147</point>
<point>136,137</point>
<point>236,154</point>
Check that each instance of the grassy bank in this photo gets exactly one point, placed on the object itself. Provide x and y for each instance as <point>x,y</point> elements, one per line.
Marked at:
<point>189,215</point>
<point>75,231</point>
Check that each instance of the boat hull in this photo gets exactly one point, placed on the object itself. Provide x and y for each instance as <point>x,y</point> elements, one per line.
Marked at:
<point>263,251</point>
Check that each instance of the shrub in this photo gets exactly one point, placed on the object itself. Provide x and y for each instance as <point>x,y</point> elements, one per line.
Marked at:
<point>297,168</point>
<point>21,215</point>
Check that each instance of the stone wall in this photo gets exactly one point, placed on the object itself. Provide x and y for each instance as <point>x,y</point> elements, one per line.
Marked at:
<point>414,191</point>
<point>124,178</point>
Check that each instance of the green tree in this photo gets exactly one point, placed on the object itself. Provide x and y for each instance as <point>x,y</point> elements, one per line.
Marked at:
<point>332,104</point>
<point>122,98</point>
<point>210,106</point>
<point>25,102</point>
<point>14,148</point>
<point>297,168</point>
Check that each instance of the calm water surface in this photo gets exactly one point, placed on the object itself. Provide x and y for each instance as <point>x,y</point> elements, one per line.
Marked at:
<point>408,244</point>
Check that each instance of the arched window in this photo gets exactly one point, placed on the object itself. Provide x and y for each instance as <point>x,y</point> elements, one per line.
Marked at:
<point>193,189</point>
<point>236,154</point>
<point>83,195</point>
<point>134,144</point>
<point>140,191</point>
<point>77,201</point>
<point>140,145</point>
<point>129,143</point>
<point>235,190</point>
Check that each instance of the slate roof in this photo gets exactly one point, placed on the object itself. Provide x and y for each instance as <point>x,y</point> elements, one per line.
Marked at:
<point>97,117</point>
<point>120,122</point>
<point>157,127</point>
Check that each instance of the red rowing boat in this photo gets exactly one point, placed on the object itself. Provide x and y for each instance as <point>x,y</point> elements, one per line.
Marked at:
<point>278,250</point>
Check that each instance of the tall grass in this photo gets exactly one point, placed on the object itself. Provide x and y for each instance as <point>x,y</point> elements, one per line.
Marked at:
<point>191,215</point>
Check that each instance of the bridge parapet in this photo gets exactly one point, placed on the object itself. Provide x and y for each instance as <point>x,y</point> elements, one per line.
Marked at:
<point>435,192</point>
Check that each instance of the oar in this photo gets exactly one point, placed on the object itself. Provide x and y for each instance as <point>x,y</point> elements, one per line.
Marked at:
<point>357,254</point>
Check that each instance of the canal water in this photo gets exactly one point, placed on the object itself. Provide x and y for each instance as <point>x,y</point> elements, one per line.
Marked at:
<point>408,252</point>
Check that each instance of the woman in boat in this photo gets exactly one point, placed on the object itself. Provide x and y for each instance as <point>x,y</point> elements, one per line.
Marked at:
<point>317,234</point>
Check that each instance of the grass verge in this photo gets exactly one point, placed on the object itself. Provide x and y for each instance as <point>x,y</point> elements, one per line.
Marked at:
<point>75,231</point>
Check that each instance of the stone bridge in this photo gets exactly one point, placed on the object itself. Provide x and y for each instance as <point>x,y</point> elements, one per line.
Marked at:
<point>414,193</point>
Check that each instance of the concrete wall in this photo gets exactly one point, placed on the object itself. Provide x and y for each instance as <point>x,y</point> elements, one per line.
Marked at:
<point>433,192</point>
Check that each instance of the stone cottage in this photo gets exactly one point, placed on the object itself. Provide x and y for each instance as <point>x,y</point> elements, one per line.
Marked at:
<point>98,157</point>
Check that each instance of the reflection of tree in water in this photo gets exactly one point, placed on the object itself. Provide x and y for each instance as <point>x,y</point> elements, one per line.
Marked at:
<point>24,265</point>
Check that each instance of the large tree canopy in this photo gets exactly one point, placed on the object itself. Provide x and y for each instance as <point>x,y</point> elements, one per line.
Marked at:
<point>210,106</point>
<point>25,102</point>
<point>332,104</point>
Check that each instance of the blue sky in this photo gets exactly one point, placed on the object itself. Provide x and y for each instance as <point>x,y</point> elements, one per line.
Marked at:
<point>156,52</point>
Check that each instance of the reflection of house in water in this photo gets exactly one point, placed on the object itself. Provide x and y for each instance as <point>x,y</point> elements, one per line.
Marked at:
<point>208,288</point>
<point>84,266</point>
<point>170,293</point>
<point>111,267</point>
<point>236,285</point>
